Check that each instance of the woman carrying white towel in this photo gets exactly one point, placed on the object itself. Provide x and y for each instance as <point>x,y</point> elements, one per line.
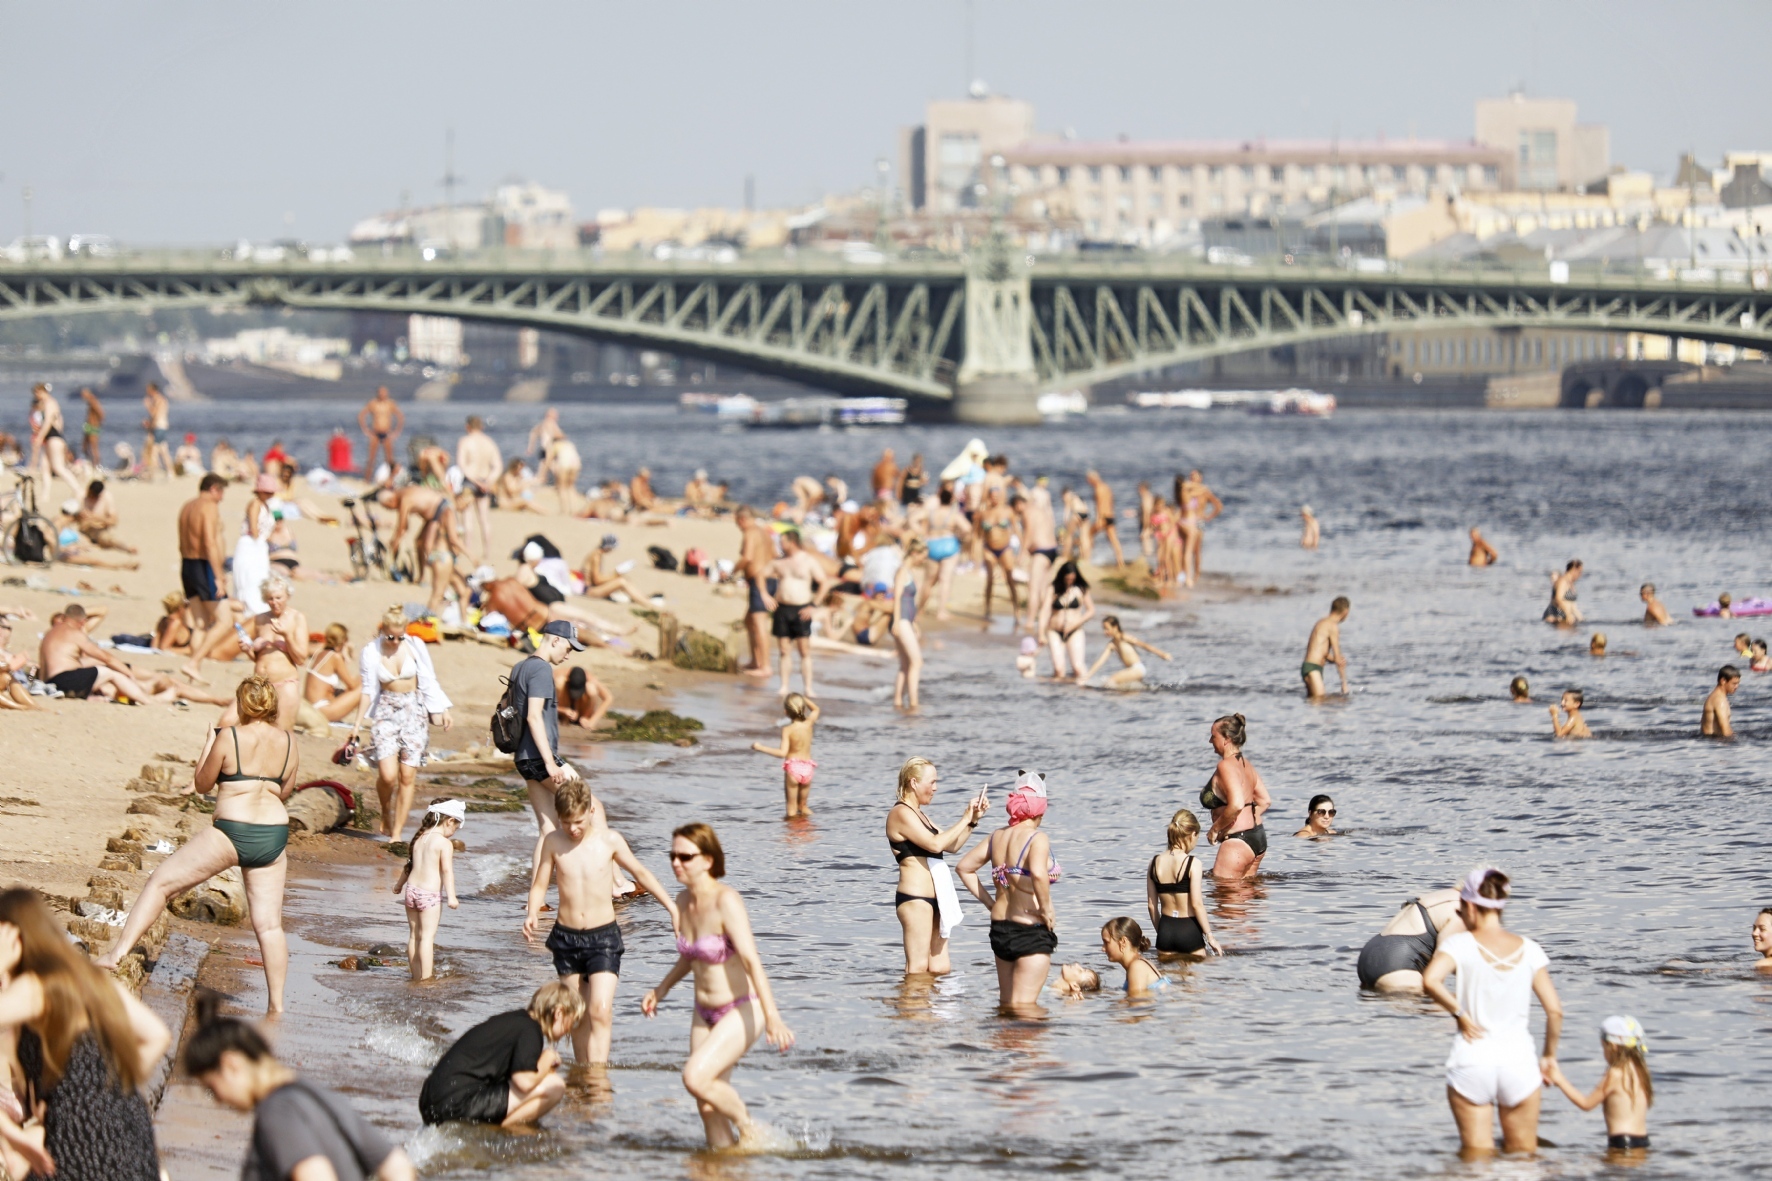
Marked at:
<point>401,700</point>
<point>928,905</point>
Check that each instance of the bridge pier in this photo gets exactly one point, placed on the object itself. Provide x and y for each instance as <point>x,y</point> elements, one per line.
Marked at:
<point>1006,400</point>
<point>997,384</point>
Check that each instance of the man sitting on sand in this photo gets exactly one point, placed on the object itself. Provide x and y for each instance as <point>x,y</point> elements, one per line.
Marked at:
<point>581,698</point>
<point>602,584</point>
<point>581,856</point>
<point>96,516</point>
<point>1654,611</point>
<point>640,491</point>
<point>1324,647</point>
<point>1573,725</point>
<point>1482,553</point>
<point>68,659</point>
<point>1716,720</point>
<point>699,493</point>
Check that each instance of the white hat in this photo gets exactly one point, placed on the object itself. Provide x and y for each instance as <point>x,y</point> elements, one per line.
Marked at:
<point>453,809</point>
<point>1031,781</point>
<point>1624,1031</point>
<point>532,552</point>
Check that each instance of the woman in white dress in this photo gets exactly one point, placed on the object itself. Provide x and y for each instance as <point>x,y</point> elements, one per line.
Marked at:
<point>1492,1064</point>
<point>401,700</point>
<point>252,553</point>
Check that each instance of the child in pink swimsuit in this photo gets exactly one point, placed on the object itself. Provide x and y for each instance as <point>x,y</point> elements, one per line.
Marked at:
<point>796,752</point>
<point>429,876</point>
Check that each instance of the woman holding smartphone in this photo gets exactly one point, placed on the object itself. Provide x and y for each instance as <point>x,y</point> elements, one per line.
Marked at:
<point>927,904</point>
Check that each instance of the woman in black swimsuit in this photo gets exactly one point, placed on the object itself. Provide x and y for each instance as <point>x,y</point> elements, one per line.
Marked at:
<point>1393,959</point>
<point>1172,891</point>
<point>1065,609</point>
<point>1238,800</point>
<point>915,841</point>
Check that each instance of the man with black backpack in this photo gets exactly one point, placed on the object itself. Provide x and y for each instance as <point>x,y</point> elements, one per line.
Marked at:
<point>530,708</point>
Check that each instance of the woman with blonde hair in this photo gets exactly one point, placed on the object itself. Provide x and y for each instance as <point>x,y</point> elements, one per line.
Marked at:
<point>333,685</point>
<point>400,698</point>
<point>250,768</point>
<point>1172,893</point>
<point>927,905</point>
<point>733,1000</point>
<point>84,1047</point>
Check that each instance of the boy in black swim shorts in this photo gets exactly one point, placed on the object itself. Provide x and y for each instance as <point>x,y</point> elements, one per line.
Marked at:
<point>586,942</point>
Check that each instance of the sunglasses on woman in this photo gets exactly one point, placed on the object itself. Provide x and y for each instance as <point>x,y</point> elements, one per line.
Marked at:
<point>1322,811</point>
<point>684,857</point>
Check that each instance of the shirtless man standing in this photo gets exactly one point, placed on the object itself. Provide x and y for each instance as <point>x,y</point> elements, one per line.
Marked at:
<point>1716,720</point>
<point>1313,533</point>
<point>381,420</point>
<point>1482,553</point>
<point>480,462</point>
<point>1324,647</point>
<point>91,428</point>
<point>1039,533</point>
<point>800,582</point>
<point>756,551</point>
<point>886,475</point>
<point>1654,611</point>
<point>439,540</point>
<point>201,551</point>
<point>1104,521</point>
<point>155,451</point>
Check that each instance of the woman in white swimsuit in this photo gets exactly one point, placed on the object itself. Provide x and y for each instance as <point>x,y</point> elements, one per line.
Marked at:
<point>1492,1064</point>
<point>333,685</point>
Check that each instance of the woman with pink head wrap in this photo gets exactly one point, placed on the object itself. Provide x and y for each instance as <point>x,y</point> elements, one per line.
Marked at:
<point>1024,929</point>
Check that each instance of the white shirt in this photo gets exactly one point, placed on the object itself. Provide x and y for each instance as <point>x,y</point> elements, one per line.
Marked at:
<point>1496,994</point>
<point>411,653</point>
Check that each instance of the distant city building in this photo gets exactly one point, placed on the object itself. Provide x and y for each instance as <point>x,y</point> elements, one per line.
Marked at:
<point>521,215</point>
<point>1550,150</point>
<point>1747,188</point>
<point>946,160</point>
<point>437,339</point>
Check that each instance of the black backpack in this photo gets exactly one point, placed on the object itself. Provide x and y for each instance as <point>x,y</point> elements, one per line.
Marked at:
<point>32,545</point>
<point>507,720</point>
<point>662,558</point>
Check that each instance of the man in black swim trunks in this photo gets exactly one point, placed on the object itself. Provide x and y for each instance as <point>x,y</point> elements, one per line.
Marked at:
<point>755,553</point>
<point>201,551</point>
<point>69,660</point>
<point>801,582</point>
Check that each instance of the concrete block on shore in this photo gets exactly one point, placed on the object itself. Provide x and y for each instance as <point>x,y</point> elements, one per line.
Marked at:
<point>222,899</point>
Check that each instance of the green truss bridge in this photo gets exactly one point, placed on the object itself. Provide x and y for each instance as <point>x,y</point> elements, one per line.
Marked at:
<point>986,334</point>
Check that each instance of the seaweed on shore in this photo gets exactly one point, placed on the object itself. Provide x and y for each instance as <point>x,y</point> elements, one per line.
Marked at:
<point>655,725</point>
<point>1124,583</point>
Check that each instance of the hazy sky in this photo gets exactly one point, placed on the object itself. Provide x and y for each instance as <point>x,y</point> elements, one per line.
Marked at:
<point>185,121</point>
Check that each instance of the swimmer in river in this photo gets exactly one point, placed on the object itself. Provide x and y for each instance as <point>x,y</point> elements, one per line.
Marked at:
<point>1562,610</point>
<point>1492,1064</point>
<point>1716,720</point>
<point>1482,553</point>
<point>1654,611</point>
<point>1744,646</point>
<point>1123,942</point>
<point>1126,648</point>
<point>1570,724</point>
<point>1024,928</point>
<point>796,750</point>
<point>1762,659</point>
<point>1319,821</point>
<point>1324,647</point>
<point>1520,691</point>
<point>1238,800</point>
<point>1172,893</point>
<point>1597,645</point>
<point>1312,531</point>
<point>733,1000</point>
<point>1724,608</point>
<point>1625,1089</point>
<point>1762,936</point>
<point>1074,980</point>
<point>916,842</point>
<point>1394,959</point>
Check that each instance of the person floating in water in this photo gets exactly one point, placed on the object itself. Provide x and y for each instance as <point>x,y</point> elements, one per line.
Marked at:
<point>1125,647</point>
<point>1716,722</point>
<point>1482,553</point>
<point>1562,610</point>
<point>1319,819</point>
<point>1571,724</point>
<point>1655,612</point>
<point>1597,645</point>
<point>1625,1089</point>
<point>796,750</point>
<point>1313,533</point>
<point>1324,647</point>
<point>1520,691</point>
<point>1724,608</point>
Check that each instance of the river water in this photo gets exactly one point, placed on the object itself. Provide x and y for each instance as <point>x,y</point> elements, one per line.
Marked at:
<point>1633,855</point>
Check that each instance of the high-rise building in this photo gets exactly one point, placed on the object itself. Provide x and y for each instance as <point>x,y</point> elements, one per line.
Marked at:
<point>1550,150</point>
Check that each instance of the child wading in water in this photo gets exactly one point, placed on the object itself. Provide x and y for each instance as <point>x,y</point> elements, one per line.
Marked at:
<point>429,877</point>
<point>1126,648</point>
<point>1123,941</point>
<point>1626,1090</point>
<point>796,750</point>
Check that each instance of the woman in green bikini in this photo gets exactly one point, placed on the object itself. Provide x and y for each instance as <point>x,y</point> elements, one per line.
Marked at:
<point>249,768</point>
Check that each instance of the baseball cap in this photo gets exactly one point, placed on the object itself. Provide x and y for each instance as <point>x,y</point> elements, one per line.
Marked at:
<point>566,630</point>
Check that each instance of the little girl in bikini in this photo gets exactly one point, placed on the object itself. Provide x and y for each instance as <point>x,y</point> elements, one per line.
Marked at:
<point>429,877</point>
<point>1626,1089</point>
<point>796,751</point>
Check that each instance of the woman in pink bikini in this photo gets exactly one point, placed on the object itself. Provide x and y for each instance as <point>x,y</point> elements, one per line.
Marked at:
<point>733,1001</point>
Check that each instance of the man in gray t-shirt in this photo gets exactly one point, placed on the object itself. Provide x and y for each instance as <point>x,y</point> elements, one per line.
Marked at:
<point>299,1121</point>
<point>538,749</point>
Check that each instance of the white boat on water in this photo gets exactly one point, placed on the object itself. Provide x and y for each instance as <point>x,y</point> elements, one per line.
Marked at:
<point>815,411</point>
<point>1063,402</point>
<point>1300,403</point>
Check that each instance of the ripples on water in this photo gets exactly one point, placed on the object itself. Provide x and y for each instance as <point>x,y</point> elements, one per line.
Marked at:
<point>1636,856</point>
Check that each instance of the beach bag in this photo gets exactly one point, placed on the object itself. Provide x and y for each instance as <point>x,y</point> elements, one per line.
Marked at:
<point>507,724</point>
<point>695,561</point>
<point>662,558</point>
<point>33,546</point>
